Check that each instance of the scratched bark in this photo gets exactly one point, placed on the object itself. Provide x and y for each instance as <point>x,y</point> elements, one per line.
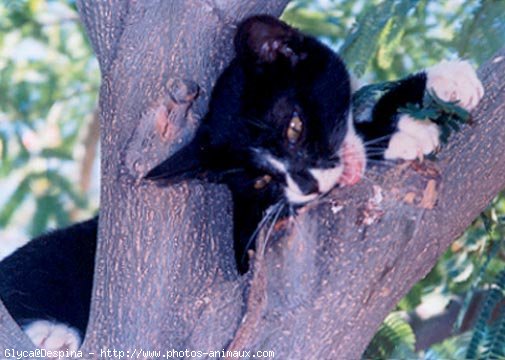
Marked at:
<point>321,285</point>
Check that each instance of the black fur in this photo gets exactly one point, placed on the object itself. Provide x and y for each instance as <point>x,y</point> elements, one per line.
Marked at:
<point>384,117</point>
<point>50,278</point>
<point>277,72</point>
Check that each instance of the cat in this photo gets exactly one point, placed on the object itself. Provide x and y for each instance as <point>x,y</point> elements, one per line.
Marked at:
<point>46,285</point>
<point>279,130</point>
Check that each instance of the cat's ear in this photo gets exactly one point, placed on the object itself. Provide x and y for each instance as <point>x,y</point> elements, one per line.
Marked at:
<point>264,39</point>
<point>183,165</point>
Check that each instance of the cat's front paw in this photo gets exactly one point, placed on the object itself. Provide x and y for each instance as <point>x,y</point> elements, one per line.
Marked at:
<point>53,336</point>
<point>413,140</point>
<point>455,81</point>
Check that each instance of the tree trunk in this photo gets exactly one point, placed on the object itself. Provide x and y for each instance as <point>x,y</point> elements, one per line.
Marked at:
<point>165,276</point>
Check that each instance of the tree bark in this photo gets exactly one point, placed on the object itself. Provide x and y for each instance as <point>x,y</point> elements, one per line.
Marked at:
<point>321,284</point>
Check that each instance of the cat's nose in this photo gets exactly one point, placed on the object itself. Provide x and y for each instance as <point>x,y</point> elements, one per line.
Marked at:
<point>305,181</point>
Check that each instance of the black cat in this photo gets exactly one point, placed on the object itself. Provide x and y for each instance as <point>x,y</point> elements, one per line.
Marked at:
<point>276,127</point>
<point>279,131</point>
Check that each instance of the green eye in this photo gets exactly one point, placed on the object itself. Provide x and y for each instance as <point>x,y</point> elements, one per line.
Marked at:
<point>295,129</point>
<point>262,181</point>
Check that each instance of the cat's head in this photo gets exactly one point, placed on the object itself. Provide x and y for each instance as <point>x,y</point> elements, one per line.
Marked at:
<point>298,111</point>
<point>279,121</point>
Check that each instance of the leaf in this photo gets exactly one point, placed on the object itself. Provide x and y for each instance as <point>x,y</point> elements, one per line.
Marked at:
<point>393,33</point>
<point>66,187</point>
<point>482,32</point>
<point>316,23</point>
<point>482,336</point>
<point>394,338</point>
<point>362,42</point>
<point>451,348</point>
<point>3,147</point>
<point>59,153</point>
<point>448,115</point>
<point>373,28</point>
<point>15,200</point>
<point>412,299</point>
<point>40,220</point>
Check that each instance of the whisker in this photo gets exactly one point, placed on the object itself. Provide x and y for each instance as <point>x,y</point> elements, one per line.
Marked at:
<point>376,140</point>
<point>272,225</point>
<point>375,151</point>
<point>296,223</point>
<point>382,162</point>
<point>374,155</point>
<point>260,226</point>
<point>375,148</point>
<point>259,123</point>
<point>232,171</point>
<point>324,200</point>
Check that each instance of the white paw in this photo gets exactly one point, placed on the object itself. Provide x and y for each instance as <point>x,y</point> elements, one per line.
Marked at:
<point>413,140</point>
<point>53,336</point>
<point>455,80</point>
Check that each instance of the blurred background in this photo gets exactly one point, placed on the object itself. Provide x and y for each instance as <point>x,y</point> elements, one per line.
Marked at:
<point>49,151</point>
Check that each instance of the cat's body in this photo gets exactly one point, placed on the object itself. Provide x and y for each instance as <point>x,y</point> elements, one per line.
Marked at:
<point>279,130</point>
<point>49,280</point>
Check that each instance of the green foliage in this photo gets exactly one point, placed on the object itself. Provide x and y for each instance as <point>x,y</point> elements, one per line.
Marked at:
<point>377,32</point>
<point>482,30</point>
<point>452,348</point>
<point>48,84</point>
<point>366,97</point>
<point>446,114</point>
<point>488,340</point>
<point>388,39</point>
<point>394,339</point>
<point>385,40</point>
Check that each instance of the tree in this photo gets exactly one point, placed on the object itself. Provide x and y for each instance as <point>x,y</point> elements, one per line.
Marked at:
<point>165,274</point>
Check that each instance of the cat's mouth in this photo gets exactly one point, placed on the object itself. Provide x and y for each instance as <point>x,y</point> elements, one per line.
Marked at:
<point>353,154</point>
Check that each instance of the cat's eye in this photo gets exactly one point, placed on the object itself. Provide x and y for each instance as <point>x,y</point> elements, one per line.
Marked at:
<point>262,181</point>
<point>295,129</point>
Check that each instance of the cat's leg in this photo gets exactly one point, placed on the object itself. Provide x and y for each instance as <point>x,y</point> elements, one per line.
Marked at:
<point>451,81</point>
<point>413,139</point>
<point>53,336</point>
<point>401,136</point>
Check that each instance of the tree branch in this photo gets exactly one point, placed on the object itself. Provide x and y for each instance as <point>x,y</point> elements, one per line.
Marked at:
<point>165,266</point>
<point>11,336</point>
<point>326,283</point>
<point>165,275</point>
<point>90,144</point>
<point>104,22</point>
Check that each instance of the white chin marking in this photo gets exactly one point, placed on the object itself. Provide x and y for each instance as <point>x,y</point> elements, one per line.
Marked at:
<point>53,336</point>
<point>276,164</point>
<point>455,81</point>
<point>297,198</point>
<point>293,193</point>
<point>413,140</point>
<point>326,178</point>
